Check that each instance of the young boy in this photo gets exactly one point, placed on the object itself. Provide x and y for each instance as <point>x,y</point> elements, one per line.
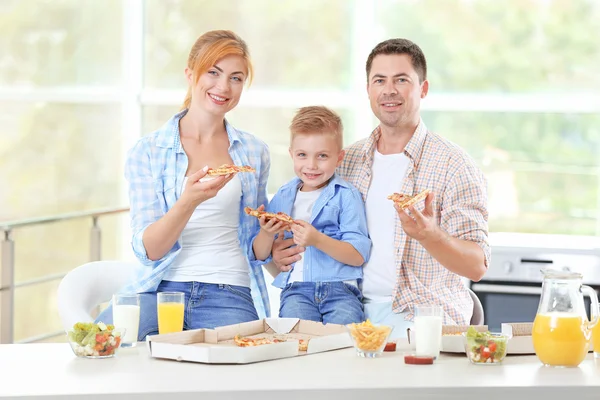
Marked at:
<point>330,221</point>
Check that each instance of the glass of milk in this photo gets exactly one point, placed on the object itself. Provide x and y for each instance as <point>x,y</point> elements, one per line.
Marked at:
<point>428,330</point>
<point>126,314</point>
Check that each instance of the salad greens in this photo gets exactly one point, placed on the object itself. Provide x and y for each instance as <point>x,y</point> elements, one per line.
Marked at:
<point>90,339</point>
<point>484,347</point>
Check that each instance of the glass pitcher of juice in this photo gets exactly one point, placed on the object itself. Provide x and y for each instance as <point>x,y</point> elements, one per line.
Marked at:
<point>561,331</point>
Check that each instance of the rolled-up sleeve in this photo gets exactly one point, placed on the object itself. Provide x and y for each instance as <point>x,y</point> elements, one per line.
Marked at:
<point>353,222</point>
<point>145,207</point>
<point>262,199</point>
<point>464,213</point>
<point>264,177</point>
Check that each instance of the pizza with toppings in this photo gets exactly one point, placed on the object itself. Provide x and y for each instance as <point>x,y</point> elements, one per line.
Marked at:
<point>241,341</point>
<point>303,345</point>
<point>404,201</point>
<point>252,342</point>
<point>283,217</point>
<point>227,169</point>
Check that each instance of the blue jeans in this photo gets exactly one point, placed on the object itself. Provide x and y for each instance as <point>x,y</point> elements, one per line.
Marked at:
<point>327,302</point>
<point>207,305</point>
<point>381,313</point>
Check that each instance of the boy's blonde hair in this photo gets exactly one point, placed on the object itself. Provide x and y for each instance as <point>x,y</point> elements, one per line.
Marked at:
<point>319,120</point>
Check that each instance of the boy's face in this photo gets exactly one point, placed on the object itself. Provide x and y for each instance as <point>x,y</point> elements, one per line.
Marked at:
<point>315,158</point>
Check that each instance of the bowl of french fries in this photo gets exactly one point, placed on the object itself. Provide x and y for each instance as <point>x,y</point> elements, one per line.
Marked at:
<point>369,339</point>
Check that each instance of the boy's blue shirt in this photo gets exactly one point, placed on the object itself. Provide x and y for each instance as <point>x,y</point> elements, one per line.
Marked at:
<point>339,212</point>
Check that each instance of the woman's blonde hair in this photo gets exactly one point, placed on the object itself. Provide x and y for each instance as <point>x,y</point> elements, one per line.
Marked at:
<point>210,48</point>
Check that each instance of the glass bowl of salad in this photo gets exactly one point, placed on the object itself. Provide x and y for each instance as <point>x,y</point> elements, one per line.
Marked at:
<point>485,348</point>
<point>90,340</point>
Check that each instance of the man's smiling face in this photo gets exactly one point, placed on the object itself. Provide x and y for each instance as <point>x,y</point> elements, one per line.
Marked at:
<point>394,89</point>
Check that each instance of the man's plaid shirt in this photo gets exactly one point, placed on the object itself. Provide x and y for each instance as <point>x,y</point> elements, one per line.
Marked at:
<point>461,209</point>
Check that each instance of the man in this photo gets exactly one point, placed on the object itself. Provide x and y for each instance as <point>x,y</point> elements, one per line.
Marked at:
<point>420,254</point>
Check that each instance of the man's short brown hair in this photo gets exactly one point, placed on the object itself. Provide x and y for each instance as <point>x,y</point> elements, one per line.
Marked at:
<point>317,119</point>
<point>401,46</point>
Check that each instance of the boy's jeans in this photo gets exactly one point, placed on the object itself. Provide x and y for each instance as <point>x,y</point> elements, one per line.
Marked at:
<point>327,302</point>
<point>207,305</point>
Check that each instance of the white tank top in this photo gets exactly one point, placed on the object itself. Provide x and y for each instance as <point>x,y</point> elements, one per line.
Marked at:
<point>211,251</point>
<point>379,273</point>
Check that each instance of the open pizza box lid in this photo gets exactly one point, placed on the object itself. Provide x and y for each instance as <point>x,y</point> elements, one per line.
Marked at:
<point>216,346</point>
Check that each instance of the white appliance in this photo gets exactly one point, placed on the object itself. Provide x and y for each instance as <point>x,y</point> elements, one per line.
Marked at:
<point>511,288</point>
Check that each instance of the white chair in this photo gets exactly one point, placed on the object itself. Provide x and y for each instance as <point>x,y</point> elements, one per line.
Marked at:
<point>89,285</point>
<point>477,317</point>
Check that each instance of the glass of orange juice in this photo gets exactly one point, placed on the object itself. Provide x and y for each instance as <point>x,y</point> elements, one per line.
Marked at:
<point>170,309</point>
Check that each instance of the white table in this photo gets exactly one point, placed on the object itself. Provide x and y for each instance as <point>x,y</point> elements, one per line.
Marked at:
<point>51,371</point>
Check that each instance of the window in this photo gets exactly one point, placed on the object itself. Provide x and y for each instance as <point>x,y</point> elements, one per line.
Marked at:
<point>515,84</point>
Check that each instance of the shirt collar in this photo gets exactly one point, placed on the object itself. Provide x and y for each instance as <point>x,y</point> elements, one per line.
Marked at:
<point>335,180</point>
<point>171,139</point>
<point>413,149</point>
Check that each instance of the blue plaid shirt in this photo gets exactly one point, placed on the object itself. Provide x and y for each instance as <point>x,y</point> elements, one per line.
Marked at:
<point>155,169</point>
<point>338,212</point>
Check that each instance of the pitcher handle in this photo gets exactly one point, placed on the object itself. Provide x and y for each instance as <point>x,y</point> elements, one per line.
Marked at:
<point>594,310</point>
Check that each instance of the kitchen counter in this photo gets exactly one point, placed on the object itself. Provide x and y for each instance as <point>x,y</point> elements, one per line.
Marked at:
<point>51,371</point>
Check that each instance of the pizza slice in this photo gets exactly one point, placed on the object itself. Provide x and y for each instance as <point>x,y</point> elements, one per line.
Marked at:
<point>303,345</point>
<point>241,341</point>
<point>280,216</point>
<point>251,342</point>
<point>398,197</point>
<point>227,169</point>
<point>404,201</point>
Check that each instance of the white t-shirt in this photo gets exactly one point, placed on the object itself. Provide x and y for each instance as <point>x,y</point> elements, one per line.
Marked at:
<point>379,272</point>
<point>211,251</point>
<point>302,209</point>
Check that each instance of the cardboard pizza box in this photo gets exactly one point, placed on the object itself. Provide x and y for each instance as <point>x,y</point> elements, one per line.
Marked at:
<point>521,341</point>
<point>216,346</point>
<point>452,338</point>
<point>520,338</point>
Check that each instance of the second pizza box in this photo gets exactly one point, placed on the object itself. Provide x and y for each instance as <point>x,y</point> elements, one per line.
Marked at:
<point>452,339</point>
<point>520,341</point>
<point>216,346</point>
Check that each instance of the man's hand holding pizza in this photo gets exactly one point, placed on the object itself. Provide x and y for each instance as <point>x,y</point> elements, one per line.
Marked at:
<point>420,226</point>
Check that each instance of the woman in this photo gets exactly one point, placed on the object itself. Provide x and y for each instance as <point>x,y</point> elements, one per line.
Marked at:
<point>191,231</point>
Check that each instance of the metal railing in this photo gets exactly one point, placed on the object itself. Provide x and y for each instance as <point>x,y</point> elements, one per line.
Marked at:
<point>7,265</point>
